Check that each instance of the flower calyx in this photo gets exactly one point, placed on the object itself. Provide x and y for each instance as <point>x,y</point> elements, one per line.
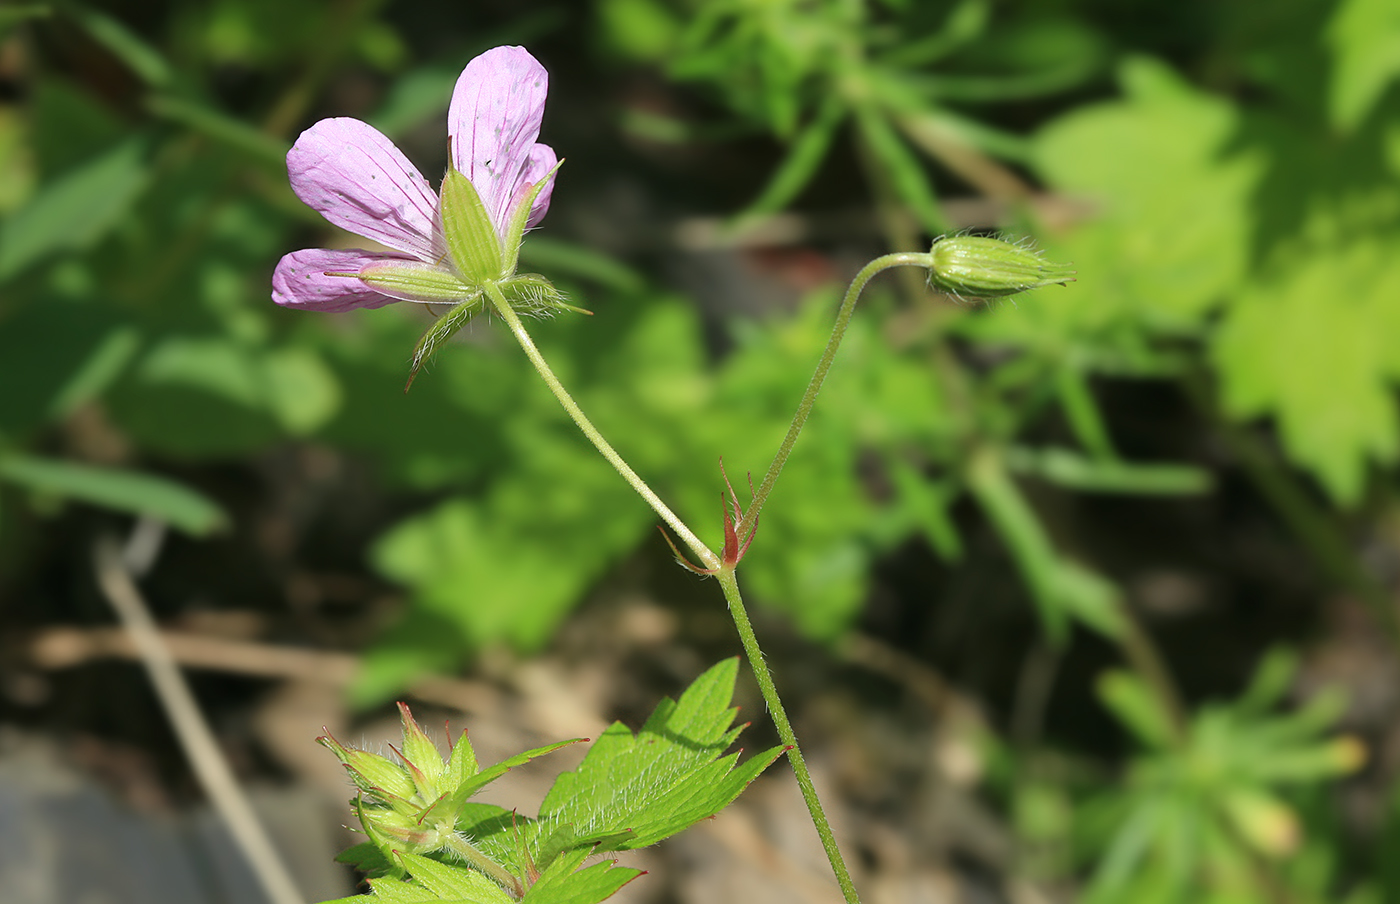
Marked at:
<point>735,547</point>
<point>979,267</point>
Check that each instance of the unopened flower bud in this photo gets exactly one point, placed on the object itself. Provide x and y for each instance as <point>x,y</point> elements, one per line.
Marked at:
<point>972,266</point>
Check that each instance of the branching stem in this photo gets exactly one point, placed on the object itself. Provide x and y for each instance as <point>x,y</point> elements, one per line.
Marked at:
<point>727,579</point>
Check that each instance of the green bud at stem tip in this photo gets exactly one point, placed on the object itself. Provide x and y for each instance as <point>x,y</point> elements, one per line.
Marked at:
<point>971,266</point>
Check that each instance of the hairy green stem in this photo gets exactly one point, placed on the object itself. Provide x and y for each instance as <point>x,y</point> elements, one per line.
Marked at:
<point>729,582</point>
<point>512,320</point>
<point>804,408</point>
<point>468,852</point>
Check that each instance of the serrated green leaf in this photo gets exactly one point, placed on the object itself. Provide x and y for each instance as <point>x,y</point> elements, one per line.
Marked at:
<point>448,882</point>
<point>398,891</point>
<point>564,883</point>
<point>1312,346</point>
<point>367,858</point>
<point>114,488</point>
<point>662,780</point>
<point>1172,225</point>
<point>491,773</point>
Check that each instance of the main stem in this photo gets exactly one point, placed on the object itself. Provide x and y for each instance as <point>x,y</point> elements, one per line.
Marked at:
<point>729,582</point>
<point>512,320</point>
<point>809,398</point>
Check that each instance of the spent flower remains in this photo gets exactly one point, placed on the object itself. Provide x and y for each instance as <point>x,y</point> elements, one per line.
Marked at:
<point>459,246</point>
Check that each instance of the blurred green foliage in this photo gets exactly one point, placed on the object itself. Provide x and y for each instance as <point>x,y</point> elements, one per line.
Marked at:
<point>1230,194</point>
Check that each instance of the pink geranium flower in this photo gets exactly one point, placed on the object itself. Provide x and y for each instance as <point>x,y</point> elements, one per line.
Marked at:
<point>447,246</point>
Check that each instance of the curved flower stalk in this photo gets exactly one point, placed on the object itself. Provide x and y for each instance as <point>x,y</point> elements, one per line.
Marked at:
<point>450,247</point>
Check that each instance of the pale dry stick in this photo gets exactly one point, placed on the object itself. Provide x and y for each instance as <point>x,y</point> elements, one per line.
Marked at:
<point>210,766</point>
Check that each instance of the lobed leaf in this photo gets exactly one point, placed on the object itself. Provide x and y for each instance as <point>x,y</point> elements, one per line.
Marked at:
<point>634,790</point>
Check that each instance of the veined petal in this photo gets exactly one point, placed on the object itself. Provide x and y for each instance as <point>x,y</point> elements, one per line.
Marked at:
<point>494,119</point>
<point>356,178</point>
<point>301,280</point>
<point>542,160</point>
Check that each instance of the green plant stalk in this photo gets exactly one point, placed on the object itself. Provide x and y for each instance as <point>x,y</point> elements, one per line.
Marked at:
<point>468,852</point>
<point>512,320</point>
<point>746,524</point>
<point>729,583</point>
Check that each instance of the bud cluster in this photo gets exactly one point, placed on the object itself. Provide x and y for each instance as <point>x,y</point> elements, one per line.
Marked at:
<point>413,803</point>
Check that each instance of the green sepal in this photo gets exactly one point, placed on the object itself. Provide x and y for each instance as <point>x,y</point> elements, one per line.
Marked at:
<point>370,772</point>
<point>533,295</point>
<point>471,236</point>
<point>440,332</point>
<point>519,214</point>
<point>415,281</point>
<point>462,764</point>
<point>420,755</point>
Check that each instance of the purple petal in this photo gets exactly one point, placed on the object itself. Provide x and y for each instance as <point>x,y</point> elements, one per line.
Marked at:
<point>358,180</point>
<point>301,280</point>
<point>494,119</point>
<point>541,161</point>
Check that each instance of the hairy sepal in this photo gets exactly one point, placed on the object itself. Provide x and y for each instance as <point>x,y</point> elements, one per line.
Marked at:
<point>471,236</point>
<point>519,216</point>
<point>415,281</point>
<point>440,332</point>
